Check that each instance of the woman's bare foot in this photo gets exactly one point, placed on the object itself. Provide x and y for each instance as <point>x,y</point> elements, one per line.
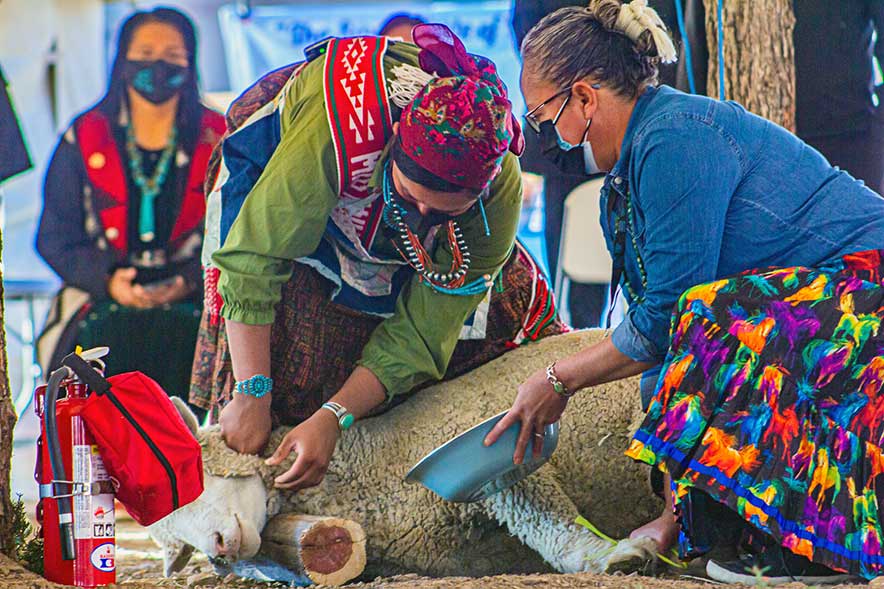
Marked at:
<point>663,531</point>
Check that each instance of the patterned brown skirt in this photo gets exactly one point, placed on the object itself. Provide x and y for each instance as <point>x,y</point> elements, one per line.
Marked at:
<point>316,343</point>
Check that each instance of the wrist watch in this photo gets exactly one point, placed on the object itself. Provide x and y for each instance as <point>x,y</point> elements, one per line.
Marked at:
<point>345,418</point>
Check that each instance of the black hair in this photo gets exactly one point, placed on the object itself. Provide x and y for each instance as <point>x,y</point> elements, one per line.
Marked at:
<point>187,119</point>
<point>398,19</point>
<point>416,173</point>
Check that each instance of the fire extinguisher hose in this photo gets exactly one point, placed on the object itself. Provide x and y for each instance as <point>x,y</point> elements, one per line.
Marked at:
<point>65,511</point>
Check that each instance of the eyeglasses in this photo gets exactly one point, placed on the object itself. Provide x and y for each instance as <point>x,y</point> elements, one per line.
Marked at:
<point>531,119</point>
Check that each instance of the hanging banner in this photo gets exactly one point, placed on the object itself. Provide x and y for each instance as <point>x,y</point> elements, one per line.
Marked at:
<point>273,36</point>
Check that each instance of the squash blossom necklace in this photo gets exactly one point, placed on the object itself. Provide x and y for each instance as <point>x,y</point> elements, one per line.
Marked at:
<point>149,187</point>
<point>417,257</point>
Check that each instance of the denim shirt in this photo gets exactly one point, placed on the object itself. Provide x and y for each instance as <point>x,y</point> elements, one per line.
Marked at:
<point>714,191</point>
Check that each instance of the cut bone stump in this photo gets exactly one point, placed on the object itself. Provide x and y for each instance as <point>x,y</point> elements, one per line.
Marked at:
<point>329,550</point>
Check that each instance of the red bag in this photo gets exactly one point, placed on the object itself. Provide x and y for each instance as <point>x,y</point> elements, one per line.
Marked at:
<point>147,449</point>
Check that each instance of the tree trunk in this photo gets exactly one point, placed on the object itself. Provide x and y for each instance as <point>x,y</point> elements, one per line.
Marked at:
<point>759,56</point>
<point>7,422</point>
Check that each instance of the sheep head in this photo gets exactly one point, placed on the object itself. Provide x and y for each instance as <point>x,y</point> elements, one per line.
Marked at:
<point>226,521</point>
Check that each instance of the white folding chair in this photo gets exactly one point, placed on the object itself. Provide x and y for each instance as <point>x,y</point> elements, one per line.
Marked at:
<point>583,256</point>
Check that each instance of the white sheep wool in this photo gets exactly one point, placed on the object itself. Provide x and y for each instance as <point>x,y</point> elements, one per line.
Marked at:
<point>527,528</point>
<point>636,17</point>
<point>220,461</point>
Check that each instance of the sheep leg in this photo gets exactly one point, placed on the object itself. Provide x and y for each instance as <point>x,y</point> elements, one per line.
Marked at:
<point>541,515</point>
<point>328,550</point>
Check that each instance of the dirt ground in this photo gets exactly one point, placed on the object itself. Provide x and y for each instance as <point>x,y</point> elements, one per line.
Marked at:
<point>139,566</point>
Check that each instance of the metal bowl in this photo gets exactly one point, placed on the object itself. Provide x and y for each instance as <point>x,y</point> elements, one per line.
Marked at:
<point>464,470</point>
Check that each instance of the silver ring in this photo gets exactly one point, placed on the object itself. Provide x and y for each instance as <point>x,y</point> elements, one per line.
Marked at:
<point>538,434</point>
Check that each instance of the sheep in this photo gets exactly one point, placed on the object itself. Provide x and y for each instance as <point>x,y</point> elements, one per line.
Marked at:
<point>527,528</point>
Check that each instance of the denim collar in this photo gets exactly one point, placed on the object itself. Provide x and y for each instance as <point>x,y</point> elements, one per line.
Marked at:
<point>641,105</point>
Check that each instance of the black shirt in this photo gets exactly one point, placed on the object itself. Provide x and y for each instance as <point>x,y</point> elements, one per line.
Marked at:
<point>149,256</point>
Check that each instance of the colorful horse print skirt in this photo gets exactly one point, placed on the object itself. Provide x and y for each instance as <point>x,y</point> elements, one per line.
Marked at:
<point>770,401</point>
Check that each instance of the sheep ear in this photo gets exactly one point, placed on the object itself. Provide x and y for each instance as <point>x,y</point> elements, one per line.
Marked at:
<point>176,555</point>
<point>186,414</point>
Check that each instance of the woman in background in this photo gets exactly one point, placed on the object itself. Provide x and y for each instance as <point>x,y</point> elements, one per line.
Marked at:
<point>123,208</point>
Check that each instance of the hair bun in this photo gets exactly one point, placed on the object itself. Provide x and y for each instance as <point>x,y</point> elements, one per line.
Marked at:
<point>640,23</point>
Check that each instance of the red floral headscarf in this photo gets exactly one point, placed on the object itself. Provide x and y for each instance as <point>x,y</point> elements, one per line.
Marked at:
<point>460,125</point>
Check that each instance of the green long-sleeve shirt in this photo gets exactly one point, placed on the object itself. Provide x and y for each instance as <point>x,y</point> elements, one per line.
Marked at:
<point>284,217</point>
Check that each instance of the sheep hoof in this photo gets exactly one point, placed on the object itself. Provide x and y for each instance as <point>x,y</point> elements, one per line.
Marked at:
<point>629,554</point>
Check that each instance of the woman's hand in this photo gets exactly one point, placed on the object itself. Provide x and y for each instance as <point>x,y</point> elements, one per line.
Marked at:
<point>246,423</point>
<point>121,289</point>
<point>536,406</point>
<point>314,442</point>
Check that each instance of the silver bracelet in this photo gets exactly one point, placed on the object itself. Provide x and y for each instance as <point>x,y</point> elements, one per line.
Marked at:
<point>345,418</point>
<point>557,385</point>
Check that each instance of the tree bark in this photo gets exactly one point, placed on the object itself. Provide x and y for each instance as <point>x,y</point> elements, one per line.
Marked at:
<point>759,56</point>
<point>7,422</point>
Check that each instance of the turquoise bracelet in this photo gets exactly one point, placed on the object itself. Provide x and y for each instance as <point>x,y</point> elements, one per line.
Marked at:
<point>345,418</point>
<point>257,386</point>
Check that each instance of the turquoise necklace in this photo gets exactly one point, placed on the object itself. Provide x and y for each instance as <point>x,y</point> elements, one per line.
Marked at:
<point>634,298</point>
<point>150,187</point>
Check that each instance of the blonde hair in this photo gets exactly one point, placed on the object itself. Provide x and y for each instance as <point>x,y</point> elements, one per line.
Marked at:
<point>618,44</point>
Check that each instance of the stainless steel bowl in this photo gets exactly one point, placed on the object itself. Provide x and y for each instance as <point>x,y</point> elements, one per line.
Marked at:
<point>464,470</point>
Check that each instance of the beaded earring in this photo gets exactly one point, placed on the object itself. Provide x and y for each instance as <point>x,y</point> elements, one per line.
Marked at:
<point>484,216</point>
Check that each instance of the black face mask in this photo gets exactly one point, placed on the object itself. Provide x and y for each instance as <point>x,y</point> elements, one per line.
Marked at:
<point>418,223</point>
<point>568,162</point>
<point>156,81</point>
<point>411,216</point>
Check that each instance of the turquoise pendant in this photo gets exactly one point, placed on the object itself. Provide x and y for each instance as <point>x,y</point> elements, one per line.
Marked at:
<point>146,223</point>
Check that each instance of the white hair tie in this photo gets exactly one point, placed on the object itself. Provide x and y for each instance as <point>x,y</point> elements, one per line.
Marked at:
<point>636,17</point>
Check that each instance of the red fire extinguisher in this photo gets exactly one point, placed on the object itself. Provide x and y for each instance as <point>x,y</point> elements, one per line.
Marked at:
<point>76,507</point>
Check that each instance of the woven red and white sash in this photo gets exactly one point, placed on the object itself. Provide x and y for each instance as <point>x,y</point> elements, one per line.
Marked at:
<point>360,123</point>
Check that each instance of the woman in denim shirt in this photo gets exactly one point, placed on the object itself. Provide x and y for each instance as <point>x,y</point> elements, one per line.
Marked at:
<point>753,271</point>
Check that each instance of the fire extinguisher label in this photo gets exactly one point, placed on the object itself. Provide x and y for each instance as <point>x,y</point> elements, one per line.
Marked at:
<point>103,516</point>
<point>93,514</point>
<point>102,557</point>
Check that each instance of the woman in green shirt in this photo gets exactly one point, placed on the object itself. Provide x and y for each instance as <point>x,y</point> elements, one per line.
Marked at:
<point>361,223</point>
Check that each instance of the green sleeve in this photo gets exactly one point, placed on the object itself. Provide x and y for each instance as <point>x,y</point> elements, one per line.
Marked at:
<point>415,344</point>
<point>284,215</point>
